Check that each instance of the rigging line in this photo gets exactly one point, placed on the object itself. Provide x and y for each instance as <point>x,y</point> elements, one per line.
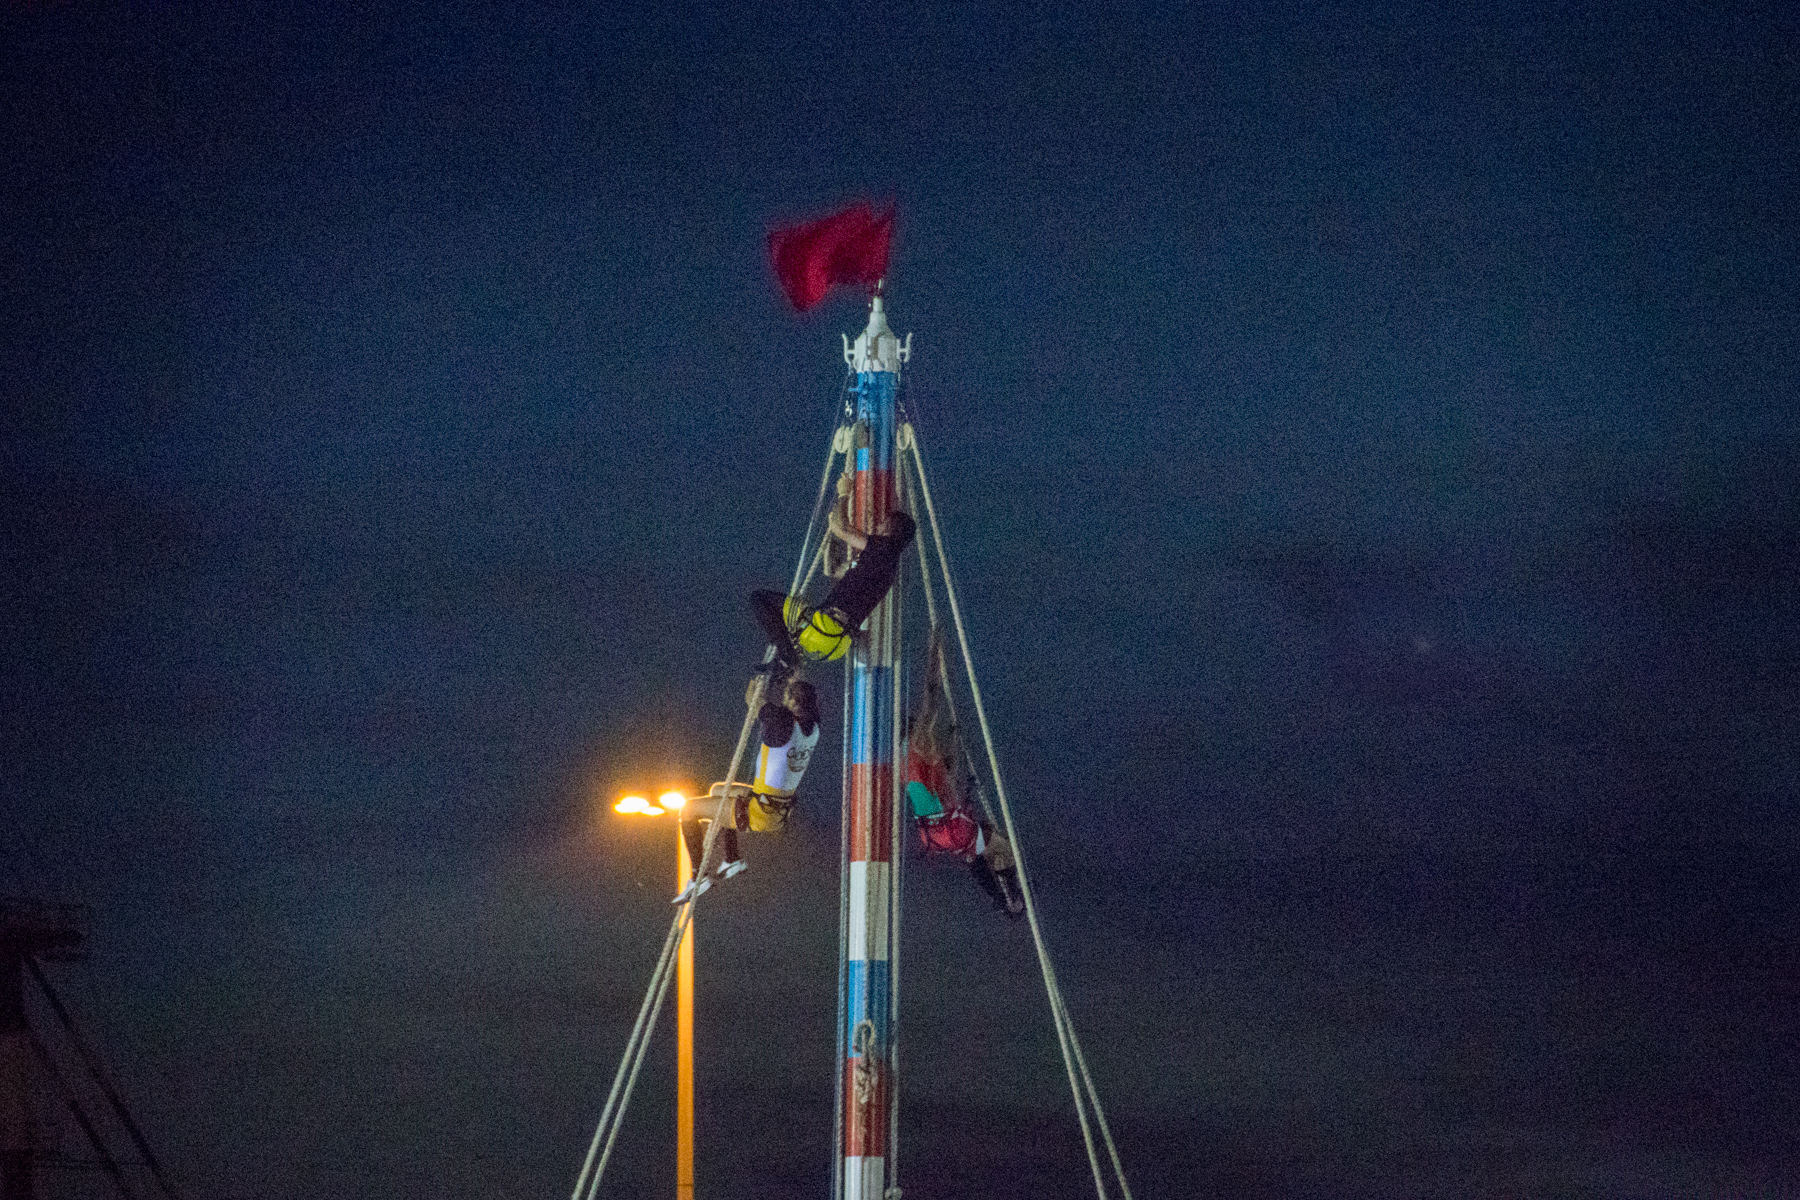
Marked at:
<point>633,1052</point>
<point>682,920</point>
<point>49,883</point>
<point>1068,1041</point>
<point>1066,1025</point>
<point>1058,1014</point>
<point>809,565</point>
<point>754,708</point>
<point>631,1048</point>
<point>92,1062</point>
<point>817,559</point>
<point>812,521</point>
<point>909,438</point>
<point>659,983</point>
<point>821,504</point>
<point>1087,1079</point>
<point>107,1162</point>
<point>896,789</point>
<point>635,1045</point>
<point>625,1079</point>
<point>1006,813</point>
<point>659,986</point>
<point>837,1103</point>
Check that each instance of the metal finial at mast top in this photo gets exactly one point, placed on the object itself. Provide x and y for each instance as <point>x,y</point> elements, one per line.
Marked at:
<point>877,347</point>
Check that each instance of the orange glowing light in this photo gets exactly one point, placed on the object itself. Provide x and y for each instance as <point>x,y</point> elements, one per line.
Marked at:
<point>671,801</point>
<point>634,804</point>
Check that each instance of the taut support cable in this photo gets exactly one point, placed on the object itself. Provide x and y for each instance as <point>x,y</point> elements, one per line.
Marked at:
<point>907,442</point>
<point>625,1079</point>
<point>837,1105</point>
<point>92,1062</point>
<point>108,1163</point>
<point>897,788</point>
<point>612,1116</point>
<point>1074,1062</point>
<point>803,568</point>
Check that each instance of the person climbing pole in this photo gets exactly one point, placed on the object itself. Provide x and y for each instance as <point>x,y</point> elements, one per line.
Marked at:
<point>823,633</point>
<point>939,801</point>
<point>788,731</point>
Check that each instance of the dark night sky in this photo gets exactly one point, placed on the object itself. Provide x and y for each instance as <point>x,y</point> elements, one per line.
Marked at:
<point>1367,453</point>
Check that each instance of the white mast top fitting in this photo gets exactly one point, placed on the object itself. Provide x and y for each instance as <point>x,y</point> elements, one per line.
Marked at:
<point>877,349</point>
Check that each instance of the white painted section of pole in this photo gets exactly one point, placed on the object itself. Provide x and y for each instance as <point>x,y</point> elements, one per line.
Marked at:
<point>869,884</point>
<point>863,1177</point>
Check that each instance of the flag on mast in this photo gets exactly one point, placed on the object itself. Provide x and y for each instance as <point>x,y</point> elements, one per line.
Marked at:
<point>848,247</point>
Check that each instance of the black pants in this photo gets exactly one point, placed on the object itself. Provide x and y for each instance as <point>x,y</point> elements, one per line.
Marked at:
<point>766,606</point>
<point>984,875</point>
<point>693,831</point>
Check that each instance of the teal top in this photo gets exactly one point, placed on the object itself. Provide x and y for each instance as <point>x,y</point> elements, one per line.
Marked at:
<point>924,803</point>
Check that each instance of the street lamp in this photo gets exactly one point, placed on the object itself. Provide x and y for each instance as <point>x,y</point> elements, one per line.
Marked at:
<point>666,804</point>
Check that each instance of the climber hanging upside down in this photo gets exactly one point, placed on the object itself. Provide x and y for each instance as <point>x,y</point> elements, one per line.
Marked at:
<point>823,633</point>
<point>789,732</point>
<point>940,802</point>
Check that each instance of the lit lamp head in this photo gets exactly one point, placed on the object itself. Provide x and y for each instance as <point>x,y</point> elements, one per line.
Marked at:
<point>671,802</point>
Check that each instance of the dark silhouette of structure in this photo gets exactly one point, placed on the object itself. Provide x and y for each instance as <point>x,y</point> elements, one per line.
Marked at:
<point>29,930</point>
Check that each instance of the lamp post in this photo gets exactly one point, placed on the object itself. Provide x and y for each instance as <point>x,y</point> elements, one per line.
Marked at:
<point>671,803</point>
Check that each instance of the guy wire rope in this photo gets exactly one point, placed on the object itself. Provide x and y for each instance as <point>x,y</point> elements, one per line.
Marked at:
<point>624,1081</point>
<point>71,1097</point>
<point>801,566</point>
<point>631,1049</point>
<point>638,1046</point>
<point>1058,1014</point>
<point>804,566</point>
<point>837,1104</point>
<point>683,920</point>
<point>907,442</point>
<point>97,1071</point>
<point>1074,1062</point>
<point>659,979</point>
<point>1058,1010</point>
<point>809,563</point>
<point>1059,1006</point>
<point>896,786</point>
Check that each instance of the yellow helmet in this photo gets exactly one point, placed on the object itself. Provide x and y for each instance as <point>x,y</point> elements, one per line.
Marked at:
<point>819,635</point>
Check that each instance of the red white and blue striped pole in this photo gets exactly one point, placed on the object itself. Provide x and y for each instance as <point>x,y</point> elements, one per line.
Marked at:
<point>869,795</point>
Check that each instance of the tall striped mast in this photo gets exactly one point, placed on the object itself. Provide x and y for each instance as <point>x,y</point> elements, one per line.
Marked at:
<point>867,1036</point>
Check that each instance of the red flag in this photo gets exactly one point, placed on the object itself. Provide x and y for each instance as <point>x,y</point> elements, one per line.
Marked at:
<point>846,247</point>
